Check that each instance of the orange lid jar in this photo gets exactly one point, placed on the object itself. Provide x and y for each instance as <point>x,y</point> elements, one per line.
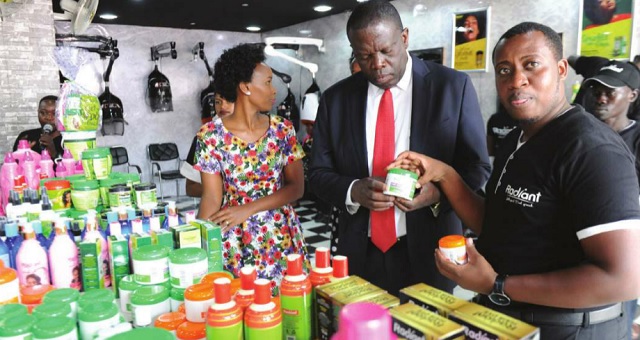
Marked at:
<point>453,247</point>
<point>192,331</point>
<point>170,321</point>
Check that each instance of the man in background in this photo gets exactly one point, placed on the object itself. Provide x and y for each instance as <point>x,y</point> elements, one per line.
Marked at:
<point>426,107</point>
<point>46,136</point>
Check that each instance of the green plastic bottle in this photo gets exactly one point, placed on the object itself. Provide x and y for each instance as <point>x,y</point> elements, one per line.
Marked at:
<point>59,327</point>
<point>12,309</point>
<point>17,327</point>
<point>295,296</point>
<point>224,318</point>
<point>69,296</point>
<point>263,318</point>
<point>51,310</point>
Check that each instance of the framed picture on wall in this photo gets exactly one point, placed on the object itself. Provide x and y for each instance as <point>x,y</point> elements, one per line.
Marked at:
<point>605,28</point>
<point>431,54</point>
<point>470,40</point>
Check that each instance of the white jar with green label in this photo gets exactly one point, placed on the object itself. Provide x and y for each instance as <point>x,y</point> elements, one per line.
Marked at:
<point>96,163</point>
<point>146,195</point>
<point>149,302</point>
<point>177,298</point>
<point>119,196</point>
<point>85,195</point>
<point>125,288</point>
<point>51,309</point>
<point>95,316</point>
<point>187,266</point>
<point>69,296</point>
<point>55,328</point>
<point>17,327</point>
<point>96,295</point>
<point>401,183</point>
<point>151,264</point>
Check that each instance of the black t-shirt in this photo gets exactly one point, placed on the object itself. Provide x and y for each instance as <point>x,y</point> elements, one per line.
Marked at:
<point>33,136</point>
<point>555,190</point>
<point>499,126</point>
<point>631,137</point>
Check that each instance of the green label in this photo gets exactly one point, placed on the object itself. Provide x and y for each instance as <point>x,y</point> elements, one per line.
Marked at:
<point>230,332</point>
<point>296,316</point>
<point>274,333</point>
<point>147,196</point>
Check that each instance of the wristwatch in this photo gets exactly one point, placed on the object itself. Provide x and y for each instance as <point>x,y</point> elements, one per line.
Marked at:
<point>497,296</point>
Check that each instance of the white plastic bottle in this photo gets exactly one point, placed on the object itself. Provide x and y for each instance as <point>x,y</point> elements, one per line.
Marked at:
<point>63,256</point>
<point>31,260</point>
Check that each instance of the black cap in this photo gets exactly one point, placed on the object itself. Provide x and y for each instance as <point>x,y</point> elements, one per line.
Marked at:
<point>618,74</point>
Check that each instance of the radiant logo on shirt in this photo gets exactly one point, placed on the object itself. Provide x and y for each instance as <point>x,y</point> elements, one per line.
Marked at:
<point>521,196</point>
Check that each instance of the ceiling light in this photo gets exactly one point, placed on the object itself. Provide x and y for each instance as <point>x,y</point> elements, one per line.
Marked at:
<point>253,28</point>
<point>108,16</point>
<point>245,5</point>
<point>363,0</point>
<point>322,8</point>
<point>304,31</point>
<point>192,24</point>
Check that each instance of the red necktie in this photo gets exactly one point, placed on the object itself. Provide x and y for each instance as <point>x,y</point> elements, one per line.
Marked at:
<point>383,223</point>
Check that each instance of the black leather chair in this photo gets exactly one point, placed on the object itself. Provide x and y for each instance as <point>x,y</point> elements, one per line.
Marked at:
<point>168,155</point>
<point>120,156</point>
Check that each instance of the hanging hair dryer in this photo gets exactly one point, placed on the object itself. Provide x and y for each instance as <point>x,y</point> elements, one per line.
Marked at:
<point>158,85</point>
<point>207,96</point>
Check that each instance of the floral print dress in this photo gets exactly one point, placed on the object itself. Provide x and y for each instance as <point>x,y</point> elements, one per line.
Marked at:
<point>251,171</point>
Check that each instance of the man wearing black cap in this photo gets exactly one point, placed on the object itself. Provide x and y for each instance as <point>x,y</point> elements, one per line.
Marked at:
<point>610,94</point>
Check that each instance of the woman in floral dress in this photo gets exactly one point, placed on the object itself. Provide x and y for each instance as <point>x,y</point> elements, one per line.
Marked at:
<point>251,169</point>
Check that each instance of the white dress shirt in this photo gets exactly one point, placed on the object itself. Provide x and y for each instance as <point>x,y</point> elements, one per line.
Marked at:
<point>402,105</point>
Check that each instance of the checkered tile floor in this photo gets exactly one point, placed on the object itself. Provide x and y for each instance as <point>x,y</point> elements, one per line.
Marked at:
<point>316,233</point>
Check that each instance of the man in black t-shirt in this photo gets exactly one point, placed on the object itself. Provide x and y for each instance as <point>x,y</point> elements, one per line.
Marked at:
<point>560,225</point>
<point>38,138</point>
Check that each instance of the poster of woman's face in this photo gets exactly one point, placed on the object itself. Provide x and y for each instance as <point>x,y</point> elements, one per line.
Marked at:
<point>470,40</point>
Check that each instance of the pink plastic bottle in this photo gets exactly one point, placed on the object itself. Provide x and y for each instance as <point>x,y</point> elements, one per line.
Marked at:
<point>8,173</point>
<point>23,149</point>
<point>31,176</point>
<point>61,170</point>
<point>63,257</point>
<point>31,260</point>
<point>78,169</point>
<point>69,162</point>
<point>46,165</point>
<point>364,320</point>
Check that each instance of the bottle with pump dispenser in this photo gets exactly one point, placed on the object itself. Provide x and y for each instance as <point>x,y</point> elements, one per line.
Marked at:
<point>244,296</point>
<point>13,241</point>
<point>172,219</point>
<point>46,165</point>
<point>63,256</point>
<point>263,319</point>
<point>224,318</point>
<point>295,297</point>
<point>31,260</point>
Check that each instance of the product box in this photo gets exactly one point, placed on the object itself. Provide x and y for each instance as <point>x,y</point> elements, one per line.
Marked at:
<point>431,298</point>
<point>162,237</point>
<point>324,302</point>
<point>413,322</point>
<point>185,236</point>
<point>211,238</point>
<point>484,323</point>
<point>383,299</point>
<point>119,260</point>
<point>90,257</point>
<point>139,239</point>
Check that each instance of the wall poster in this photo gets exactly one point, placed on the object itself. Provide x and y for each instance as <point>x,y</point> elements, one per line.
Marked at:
<point>605,28</point>
<point>470,40</point>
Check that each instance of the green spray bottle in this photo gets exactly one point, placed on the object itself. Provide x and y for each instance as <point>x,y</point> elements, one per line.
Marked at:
<point>263,319</point>
<point>224,318</point>
<point>296,300</point>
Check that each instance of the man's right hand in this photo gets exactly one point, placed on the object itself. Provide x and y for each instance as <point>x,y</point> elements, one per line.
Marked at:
<point>368,193</point>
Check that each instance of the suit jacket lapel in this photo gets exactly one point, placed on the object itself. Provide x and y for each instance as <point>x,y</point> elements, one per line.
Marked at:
<point>357,115</point>
<point>420,106</point>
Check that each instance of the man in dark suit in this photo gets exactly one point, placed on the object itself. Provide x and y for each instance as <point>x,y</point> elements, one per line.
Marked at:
<point>433,109</point>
